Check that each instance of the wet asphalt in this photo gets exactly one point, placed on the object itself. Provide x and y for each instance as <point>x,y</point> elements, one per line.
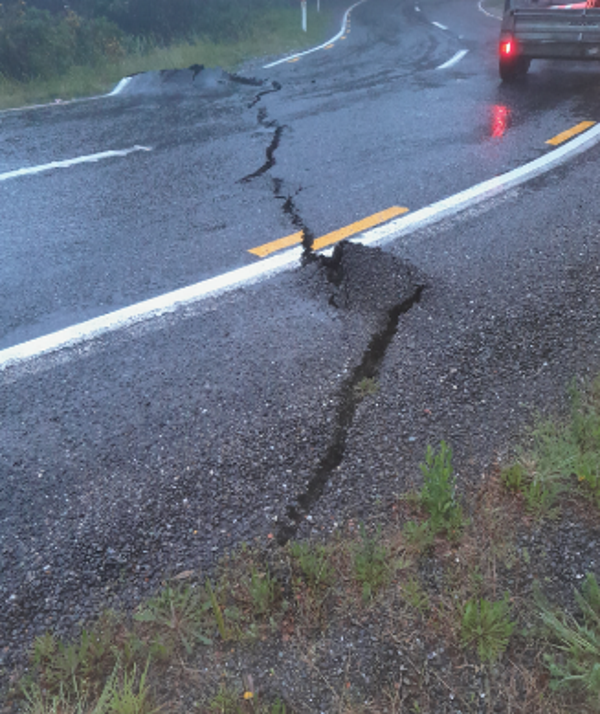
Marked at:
<point>153,450</point>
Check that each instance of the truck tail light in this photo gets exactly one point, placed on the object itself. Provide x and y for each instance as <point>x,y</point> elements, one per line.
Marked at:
<point>507,48</point>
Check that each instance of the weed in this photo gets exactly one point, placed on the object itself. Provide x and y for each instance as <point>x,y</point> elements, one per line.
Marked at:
<point>578,666</point>
<point>487,626</point>
<point>79,667</point>
<point>371,567</point>
<point>124,692</point>
<point>419,535</point>
<point>313,559</point>
<point>217,612</point>
<point>415,596</point>
<point>513,477</point>
<point>438,495</point>
<point>177,613</point>
<point>365,387</point>
<point>263,591</point>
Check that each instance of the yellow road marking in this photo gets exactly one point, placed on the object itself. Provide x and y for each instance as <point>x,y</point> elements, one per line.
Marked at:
<point>296,238</point>
<point>329,47</point>
<point>358,227</point>
<point>268,248</point>
<point>295,59</point>
<point>560,138</point>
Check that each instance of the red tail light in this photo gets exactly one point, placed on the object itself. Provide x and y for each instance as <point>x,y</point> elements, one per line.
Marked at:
<point>507,48</point>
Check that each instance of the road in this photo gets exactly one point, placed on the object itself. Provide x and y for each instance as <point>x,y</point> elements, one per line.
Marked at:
<point>151,449</point>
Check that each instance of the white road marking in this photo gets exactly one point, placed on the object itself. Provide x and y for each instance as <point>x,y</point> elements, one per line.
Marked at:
<point>417,8</point>
<point>439,24</point>
<point>484,191</point>
<point>453,60</point>
<point>91,158</point>
<point>120,87</point>
<point>485,12</point>
<point>257,272</point>
<point>62,102</point>
<point>320,47</point>
<point>148,309</point>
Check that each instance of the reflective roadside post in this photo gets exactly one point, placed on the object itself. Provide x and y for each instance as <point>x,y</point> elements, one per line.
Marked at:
<point>304,22</point>
<point>318,5</point>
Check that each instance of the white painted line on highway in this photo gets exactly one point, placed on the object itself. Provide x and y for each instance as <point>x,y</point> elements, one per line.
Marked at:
<point>90,159</point>
<point>453,60</point>
<point>439,24</point>
<point>65,102</point>
<point>486,12</point>
<point>325,45</point>
<point>168,303</point>
<point>120,87</point>
<point>259,271</point>
<point>481,192</point>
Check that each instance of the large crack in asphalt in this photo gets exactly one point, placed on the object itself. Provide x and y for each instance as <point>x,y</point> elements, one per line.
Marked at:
<point>369,280</point>
<point>289,207</point>
<point>354,277</point>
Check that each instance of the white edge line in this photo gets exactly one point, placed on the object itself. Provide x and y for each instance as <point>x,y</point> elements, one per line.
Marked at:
<point>476,194</point>
<point>320,47</point>
<point>256,272</point>
<point>120,87</point>
<point>65,102</point>
<point>485,12</point>
<point>439,24</point>
<point>453,60</point>
<point>154,307</point>
<point>90,158</point>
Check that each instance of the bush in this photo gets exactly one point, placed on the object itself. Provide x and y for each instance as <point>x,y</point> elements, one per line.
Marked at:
<point>35,43</point>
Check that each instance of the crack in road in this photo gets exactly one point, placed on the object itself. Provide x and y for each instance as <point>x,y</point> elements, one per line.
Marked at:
<point>289,207</point>
<point>335,272</point>
<point>350,393</point>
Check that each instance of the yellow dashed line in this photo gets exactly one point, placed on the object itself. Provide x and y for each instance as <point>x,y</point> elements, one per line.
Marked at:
<point>560,138</point>
<point>268,248</point>
<point>329,47</point>
<point>294,59</point>
<point>358,227</point>
<point>334,237</point>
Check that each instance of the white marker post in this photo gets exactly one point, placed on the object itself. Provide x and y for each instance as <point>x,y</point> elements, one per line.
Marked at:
<point>304,20</point>
<point>318,5</point>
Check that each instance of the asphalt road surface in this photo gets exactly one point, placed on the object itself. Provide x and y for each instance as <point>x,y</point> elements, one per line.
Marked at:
<point>150,450</point>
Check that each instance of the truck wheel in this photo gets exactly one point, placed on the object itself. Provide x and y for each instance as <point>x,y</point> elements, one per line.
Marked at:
<point>509,70</point>
<point>514,67</point>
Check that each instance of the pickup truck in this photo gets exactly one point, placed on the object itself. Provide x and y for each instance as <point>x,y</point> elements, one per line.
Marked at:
<point>535,31</point>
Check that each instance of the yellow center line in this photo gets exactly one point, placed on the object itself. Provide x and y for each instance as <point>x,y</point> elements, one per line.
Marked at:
<point>295,59</point>
<point>330,47</point>
<point>295,238</point>
<point>268,248</point>
<point>358,227</point>
<point>560,138</point>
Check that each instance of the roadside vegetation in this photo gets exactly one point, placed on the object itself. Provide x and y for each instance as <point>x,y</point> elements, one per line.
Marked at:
<point>51,51</point>
<point>450,605</point>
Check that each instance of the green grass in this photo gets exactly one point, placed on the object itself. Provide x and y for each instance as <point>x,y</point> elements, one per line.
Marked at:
<point>577,664</point>
<point>486,626</point>
<point>409,583</point>
<point>276,32</point>
<point>438,494</point>
<point>563,456</point>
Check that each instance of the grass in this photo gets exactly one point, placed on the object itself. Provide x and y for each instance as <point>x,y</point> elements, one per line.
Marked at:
<point>564,456</point>
<point>274,33</point>
<point>577,664</point>
<point>446,600</point>
<point>487,626</point>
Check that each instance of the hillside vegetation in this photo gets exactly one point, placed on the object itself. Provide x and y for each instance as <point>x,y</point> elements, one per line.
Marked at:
<point>50,49</point>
